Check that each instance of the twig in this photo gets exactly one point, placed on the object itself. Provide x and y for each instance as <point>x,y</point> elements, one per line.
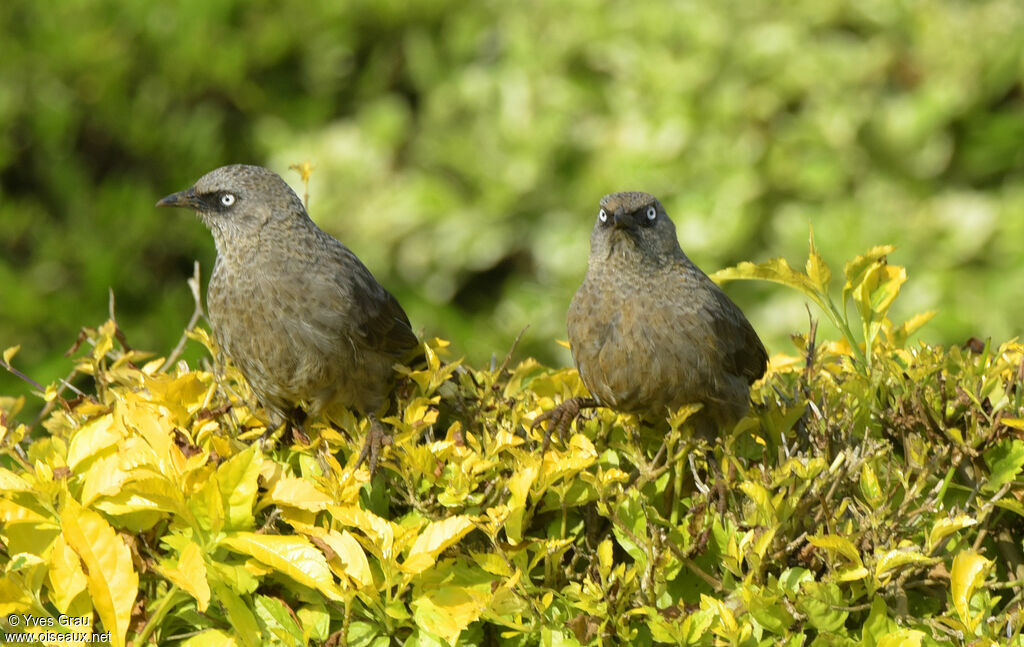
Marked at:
<point>193,284</point>
<point>515,343</point>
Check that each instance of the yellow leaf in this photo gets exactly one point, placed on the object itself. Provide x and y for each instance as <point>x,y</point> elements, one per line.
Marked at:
<point>945,527</point>
<point>725,615</point>
<point>237,480</point>
<point>817,270</point>
<point>291,556</point>
<point>298,493</point>
<point>969,572</point>
<point>10,352</point>
<point>110,577</point>
<point>210,638</point>
<point>492,563</point>
<point>13,596</point>
<point>851,573</point>
<point>897,558</point>
<point>93,438</point>
<point>437,536</point>
<point>854,270</point>
<point>190,574</point>
<point>11,482</point>
<point>605,558</point>
<point>776,270</point>
<point>878,289</point>
<point>447,611</point>
<point>869,486</point>
<point>901,638</point>
<point>379,530</point>
<point>11,513</point>
<point>837,544</point>
<point>519,489</point>
<point>762,498</point>
<point>104,341</point>
<point>350,555</point>
<point>67,579</point>
<point>1015,423</point>
<point>304,169</point>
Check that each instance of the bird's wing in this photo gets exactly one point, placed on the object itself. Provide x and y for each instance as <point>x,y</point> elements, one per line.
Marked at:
<point>747,356</point>
<point>385,327</point>
<point>349,302</point>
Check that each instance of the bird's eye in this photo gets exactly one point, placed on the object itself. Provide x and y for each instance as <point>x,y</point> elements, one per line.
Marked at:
<point>652,213</point>
<point>603,215</point>
<point>227,199</point>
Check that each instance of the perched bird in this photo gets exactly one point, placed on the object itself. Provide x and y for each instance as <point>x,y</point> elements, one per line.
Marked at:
<point>649,331</point>
<point>294,309</point>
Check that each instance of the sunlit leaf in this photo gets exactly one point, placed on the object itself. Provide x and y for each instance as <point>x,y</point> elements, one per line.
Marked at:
<point>945,527</point>
<point>433,539</point>
<point>968,573</point>
<point>291,556</point>
<point>837,544</point>
<point>110,574</point>
<point>447,611</point>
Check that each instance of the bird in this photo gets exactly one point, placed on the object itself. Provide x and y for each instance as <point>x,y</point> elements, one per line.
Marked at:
<point>297,312</point>
<point>648,330</point>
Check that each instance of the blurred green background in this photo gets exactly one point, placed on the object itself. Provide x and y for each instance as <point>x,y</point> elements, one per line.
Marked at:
<point>461,148</point>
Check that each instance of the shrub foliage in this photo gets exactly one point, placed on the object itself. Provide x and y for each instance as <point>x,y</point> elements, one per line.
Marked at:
<point>873,496</point>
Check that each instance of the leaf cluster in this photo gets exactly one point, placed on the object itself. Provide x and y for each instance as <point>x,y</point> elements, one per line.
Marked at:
<point>873,496</point>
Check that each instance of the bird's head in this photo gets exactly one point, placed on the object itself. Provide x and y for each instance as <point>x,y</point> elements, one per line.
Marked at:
<point>238,199</point>
<point>635,226</point>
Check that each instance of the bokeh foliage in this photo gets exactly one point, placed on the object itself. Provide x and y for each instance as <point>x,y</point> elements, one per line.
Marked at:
<point>873,497</point>
<point>461,149</point>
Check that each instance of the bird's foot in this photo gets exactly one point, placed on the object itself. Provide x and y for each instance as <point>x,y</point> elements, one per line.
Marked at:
<point>299,436</point>
<point>376,438</point>
<point>561,417</point>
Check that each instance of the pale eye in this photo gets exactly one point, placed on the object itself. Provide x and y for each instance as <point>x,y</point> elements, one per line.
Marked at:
<point>652,213</point>
<point>603,215</point>
<point>227,199</point>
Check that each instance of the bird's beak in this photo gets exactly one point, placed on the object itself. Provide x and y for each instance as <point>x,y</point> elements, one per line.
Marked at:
<point>186,198</point>
<point>621,220</point>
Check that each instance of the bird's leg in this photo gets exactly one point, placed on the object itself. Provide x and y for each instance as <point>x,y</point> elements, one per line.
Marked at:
<point>297,420</point>
<point>376,438</point>
<point>561,417</point>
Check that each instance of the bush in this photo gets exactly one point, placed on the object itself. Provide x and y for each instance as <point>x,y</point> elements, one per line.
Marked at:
<point>873,496</point>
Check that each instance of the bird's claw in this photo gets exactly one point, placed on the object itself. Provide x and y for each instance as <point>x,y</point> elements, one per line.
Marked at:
<point>561,417</point>
<point>376,438</point>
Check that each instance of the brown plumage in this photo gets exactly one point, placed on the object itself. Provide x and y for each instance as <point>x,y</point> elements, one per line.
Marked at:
<point>295,310</point>
<point>649,331</point>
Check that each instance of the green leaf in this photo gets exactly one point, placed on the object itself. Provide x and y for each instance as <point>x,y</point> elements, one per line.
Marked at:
<point>822,602</point>
<point>243,621</point>
<point>237,480</point>
<point>1004,460</point>
<point>278,620</point>
<point>855,270</point>
<point>878,623</point>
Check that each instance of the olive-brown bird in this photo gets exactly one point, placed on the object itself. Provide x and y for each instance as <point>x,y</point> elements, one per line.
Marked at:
<point>294,309</point>
<point>649,331</point>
